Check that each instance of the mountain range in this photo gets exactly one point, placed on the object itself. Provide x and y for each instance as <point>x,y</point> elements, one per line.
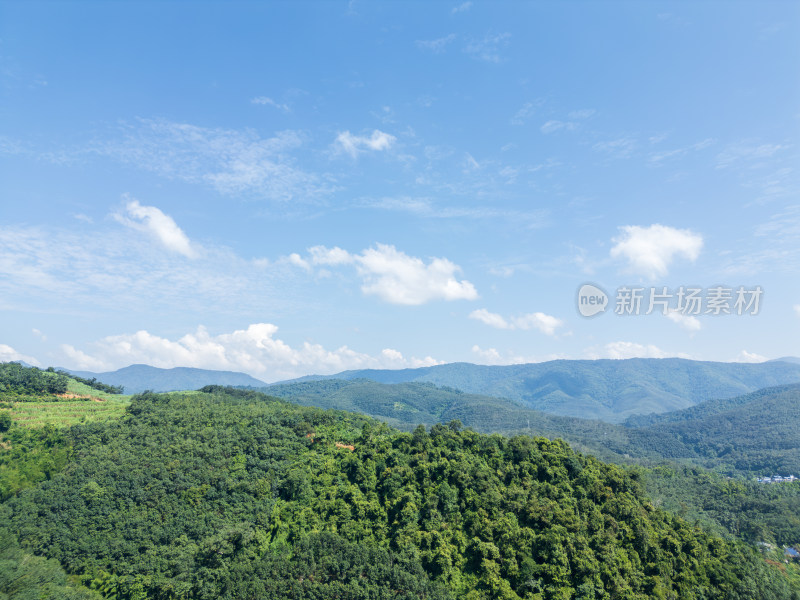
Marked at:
<point>610,390</point>
<point>139,378</point>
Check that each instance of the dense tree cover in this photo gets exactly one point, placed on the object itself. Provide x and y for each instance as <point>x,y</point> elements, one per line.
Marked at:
<point>754,434</point>
<point>599,389</point>
<point>229,494</point>
<point>28,456</point>
<point>92,383</point>
<point>27,577</point>
<point>18,382</point>
<point>743,509</point>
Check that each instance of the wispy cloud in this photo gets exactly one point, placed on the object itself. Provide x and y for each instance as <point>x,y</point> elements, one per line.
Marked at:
<point>118,270</point>
<point>622,147</point>
<point>234,162</point>
<point>427,208</point>
<point>622,350</point>
<point>488,48</point>
<point>554,125</point>
<point>255,350</point>
<point>354,144</point>
<point>161,227</point>
<point>747,153</point>
<point>463,7</point>
<point>525,112</point>
<point>547,324</point>
<point>650,250</point>
<point>436,45</point>
<point>265,100</point>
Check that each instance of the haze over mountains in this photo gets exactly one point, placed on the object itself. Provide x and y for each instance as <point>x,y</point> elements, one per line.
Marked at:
<point>138,378</point>
<point>611,390</point>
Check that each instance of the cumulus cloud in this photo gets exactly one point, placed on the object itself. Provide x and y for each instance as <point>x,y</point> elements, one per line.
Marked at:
<point>650,250</point>
<point>160,226</point>
<point>255,350</point>
<point>547,324</point>
<point>8,354</point>
<point>686,322</point>
<point>396,277</point>
<point>353,144</point>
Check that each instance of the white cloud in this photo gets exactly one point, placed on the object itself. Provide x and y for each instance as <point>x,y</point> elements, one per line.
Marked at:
<point>465,6</point>
<point>623,147</point>
<point>437,45</point>
<point>523,114</point>
<point>488,48</point>
<point>650,250</point>
<point>233,162</point>
<point>8,354</point>
<point>114,269</point>
<point>687,322</point>
<point>158,225</point>
<point>747,152</point>
<point>797,309</point>
<point>749,357</point>
<point>583,113</point>
<point>547,324</point>
<point>491,356</point>
<point>254,350</point>
<point>353,144</point>
<point>320,255</point>
<point>554,125</point>
<point>621,350</point>
<point>490,319</point>
<point>398,278</point>
<point>39,334</point>
<point>270,102</point>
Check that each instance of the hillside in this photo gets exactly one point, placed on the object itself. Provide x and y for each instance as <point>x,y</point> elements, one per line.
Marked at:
<point>139,378</point>
<point>753,434</point>
<point>611,390</point>
<point>237,495</point>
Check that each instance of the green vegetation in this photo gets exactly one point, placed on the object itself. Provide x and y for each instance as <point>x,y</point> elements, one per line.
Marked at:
<point>610,390</point>
<point>232,494</point>
<point>93,383</point>
<point>754,434</point>
<point>18,382</point>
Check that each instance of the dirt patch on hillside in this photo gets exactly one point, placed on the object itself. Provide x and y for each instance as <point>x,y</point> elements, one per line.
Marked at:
<point>71,396</point>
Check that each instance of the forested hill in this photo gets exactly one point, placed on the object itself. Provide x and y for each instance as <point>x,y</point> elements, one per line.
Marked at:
<point>611,390</point>
<point>139,378</point>
<point>753,434</point>
<point>232,494</point>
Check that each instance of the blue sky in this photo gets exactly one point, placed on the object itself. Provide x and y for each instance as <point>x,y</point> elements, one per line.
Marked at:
<point>286,188</point>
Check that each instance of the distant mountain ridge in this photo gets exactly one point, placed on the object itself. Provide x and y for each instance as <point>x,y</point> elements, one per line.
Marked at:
<point>757,432</point>
<point>138,378</point>
<point>611,390</point>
